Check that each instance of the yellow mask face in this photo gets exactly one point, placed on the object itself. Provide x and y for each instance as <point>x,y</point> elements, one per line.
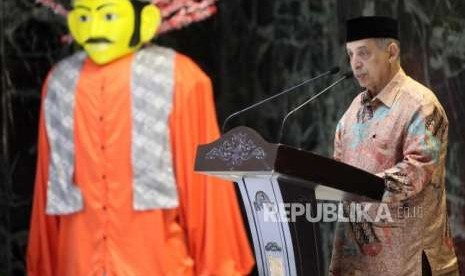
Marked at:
<point>105,27</point>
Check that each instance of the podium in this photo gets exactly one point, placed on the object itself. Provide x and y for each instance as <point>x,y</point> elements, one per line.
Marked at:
<point>273,176</point>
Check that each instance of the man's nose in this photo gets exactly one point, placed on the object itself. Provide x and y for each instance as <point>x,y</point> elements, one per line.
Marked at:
<point>356,63</point>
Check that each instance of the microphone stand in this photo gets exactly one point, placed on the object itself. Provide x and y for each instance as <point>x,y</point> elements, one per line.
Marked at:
<point>345,76</point>
<point>330,72</point>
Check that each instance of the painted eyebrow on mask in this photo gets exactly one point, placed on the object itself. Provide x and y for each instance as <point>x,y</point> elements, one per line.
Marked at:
<point>82,7</point>
<point>105,5</point>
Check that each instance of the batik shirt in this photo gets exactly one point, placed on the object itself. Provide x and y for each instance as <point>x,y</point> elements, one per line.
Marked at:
<point>400,135</point>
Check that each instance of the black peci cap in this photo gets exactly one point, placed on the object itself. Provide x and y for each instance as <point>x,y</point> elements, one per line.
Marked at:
<point>372,27</point>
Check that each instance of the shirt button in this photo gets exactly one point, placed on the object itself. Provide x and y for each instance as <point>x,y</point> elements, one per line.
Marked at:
<point>104,177</point>
<point>102,147</point>
<point>100,118</point>
<point>104,237</point>
<point>104,207</point>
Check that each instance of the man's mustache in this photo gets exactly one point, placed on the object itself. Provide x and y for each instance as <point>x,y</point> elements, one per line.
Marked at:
<point>97,40</point>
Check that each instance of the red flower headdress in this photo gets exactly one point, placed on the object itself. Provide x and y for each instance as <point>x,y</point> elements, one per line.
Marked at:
<point>175,13</point>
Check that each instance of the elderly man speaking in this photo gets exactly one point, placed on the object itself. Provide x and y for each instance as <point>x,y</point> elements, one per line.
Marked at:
<point>397,129</point>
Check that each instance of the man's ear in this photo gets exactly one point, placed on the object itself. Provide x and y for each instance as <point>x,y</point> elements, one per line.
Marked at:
<point>394,52</point>
<point>149,23</point>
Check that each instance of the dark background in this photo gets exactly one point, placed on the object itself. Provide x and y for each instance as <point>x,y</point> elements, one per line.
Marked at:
<point>251,49</point>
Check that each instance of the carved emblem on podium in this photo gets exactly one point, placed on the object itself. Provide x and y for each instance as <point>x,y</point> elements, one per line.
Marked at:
<point>261,199</point>
<point>275,265</point>
<point>273,247</point>
<point>236,150</point>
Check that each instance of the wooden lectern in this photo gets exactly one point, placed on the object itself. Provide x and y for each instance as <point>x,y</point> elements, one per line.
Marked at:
<point>271,175</point>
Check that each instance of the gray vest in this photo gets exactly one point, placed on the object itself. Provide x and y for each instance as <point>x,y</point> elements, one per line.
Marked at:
<point>152,83</point>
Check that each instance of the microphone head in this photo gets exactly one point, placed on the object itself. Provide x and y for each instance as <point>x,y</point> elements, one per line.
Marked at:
<point>348,74</point>
<point>334,70</point>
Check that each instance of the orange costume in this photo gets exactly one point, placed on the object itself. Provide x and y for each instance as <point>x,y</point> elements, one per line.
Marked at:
<point>203,236</point>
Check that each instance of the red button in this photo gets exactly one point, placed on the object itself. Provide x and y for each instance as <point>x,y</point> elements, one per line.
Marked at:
<point>104,177</point>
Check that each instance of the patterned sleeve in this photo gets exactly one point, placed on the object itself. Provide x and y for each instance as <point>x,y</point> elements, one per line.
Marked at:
<point>337,142</point>
<point>424,153</point>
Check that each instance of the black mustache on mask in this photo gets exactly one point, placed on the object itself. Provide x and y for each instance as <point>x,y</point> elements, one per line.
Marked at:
<point>98,40</point>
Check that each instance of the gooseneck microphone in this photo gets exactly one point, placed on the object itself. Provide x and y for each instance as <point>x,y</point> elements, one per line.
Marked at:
<point>346,75</point>
<point>332,71</point>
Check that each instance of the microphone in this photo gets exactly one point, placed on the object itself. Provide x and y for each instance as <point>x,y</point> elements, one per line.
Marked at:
<point>332,71</point>
<point>346,75</point>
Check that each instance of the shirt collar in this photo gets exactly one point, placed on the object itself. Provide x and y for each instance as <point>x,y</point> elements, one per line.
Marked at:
<point>389,92</point>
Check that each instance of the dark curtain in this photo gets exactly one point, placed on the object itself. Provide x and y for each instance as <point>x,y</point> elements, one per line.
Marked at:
<point>251,49</point>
